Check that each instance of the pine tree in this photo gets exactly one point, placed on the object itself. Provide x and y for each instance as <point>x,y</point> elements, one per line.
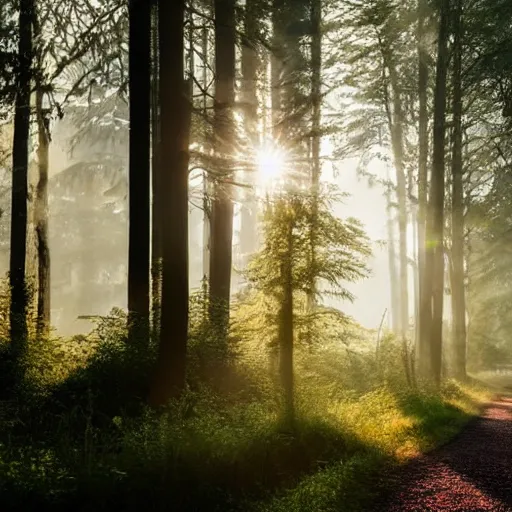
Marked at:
<point>221,240</point>
<point>457,213</point>
<point>251,63</point>
<point>282,271</point>
<point>316,119</point>
<point>139,172</point>
<point>169,375</point>
<point>423,140</point>
<point>156,208</point>
<point>41,219</point>
<point>17,278</point>
<point>435,224</point>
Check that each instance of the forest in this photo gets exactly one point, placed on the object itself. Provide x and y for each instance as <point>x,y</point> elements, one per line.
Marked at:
<point>180,255</point>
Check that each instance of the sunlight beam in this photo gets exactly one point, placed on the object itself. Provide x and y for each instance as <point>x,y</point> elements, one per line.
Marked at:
<point>270,162</point>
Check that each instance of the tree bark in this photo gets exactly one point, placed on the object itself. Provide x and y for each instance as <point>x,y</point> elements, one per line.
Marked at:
<point>139,171</point>
<point>416,278</point>
<point>393,274</point>
<point>156,220</point>
<point>17,280</point>
<point>206,178</point>
<point>222,202</point>
<point>396,120</point>
<point>316,118</point>
<point>425,308</point>
<point>398,152</point>
<point>170,372</point>
<point>41,221</point>
<point>286,326</point>
<point>250,67</point>
<point>435,231</point>
<point>458,291</point>
<point>276,69</point>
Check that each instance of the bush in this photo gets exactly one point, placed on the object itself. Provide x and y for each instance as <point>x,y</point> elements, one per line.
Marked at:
<point>80,435</point>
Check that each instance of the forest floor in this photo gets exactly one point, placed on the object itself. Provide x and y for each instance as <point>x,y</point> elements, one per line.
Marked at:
<point>86,444</point>
<point>472,473</point>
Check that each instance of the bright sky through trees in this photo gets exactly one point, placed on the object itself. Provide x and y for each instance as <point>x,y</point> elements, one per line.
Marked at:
<point>270,163</point>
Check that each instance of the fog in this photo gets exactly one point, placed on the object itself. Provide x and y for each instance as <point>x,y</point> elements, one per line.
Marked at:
<point>88,229</point>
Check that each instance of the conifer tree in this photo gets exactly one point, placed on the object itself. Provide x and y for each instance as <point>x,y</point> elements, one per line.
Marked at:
<point>139,172</point>
<point>17,278</point>
<point>174,98</point>
<point>221,240</point>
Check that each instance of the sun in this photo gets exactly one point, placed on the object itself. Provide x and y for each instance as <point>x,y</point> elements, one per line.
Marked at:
<point>270,162</point>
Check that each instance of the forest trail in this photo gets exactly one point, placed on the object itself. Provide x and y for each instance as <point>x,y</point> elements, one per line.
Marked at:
<point>471,474</point>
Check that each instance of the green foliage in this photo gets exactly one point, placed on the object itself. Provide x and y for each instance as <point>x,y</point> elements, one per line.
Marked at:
<point>341,246</point>
<point>490,271</point>
<point>209,356</point>
<point>8,57</point>
<point>390,426</point>
<point>85,440</point>
<point>116,374</point>
<point>337,256</point>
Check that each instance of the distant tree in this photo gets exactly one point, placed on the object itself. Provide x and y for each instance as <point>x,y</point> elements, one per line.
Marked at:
<point>65,58</point>
<point>486,143</point>
<point>43,114</point>
<point>41,218</point>
<point>380,78</point>
<point>89,219</point>
<point>457,214</point>
<point>8,40</point>
<point>423,143</point>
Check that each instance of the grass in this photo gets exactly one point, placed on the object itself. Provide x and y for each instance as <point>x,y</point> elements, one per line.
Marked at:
<point>210,453</point>
<point>75,438</point>
<point>390,428</point>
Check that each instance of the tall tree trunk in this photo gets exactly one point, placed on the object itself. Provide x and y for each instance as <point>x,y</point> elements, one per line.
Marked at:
<point>393,274</point>
<point>458,291</point>
<point>250,67</point>
<point>435,226</point>
<point>41,220</point>
<point>222,203</point>
<point>401,183</point>
<point>175,111</point>
<point>206,226</point>
<point>88,267</point>
<point>286,326</point>
<point>206,178</point>
<point>316,118</point>
<point>395,123</point>
<point>156,220</point>
<point>425,307</point>
<point>276,70</point>
<point>416,279</point>
<point>17,281</point>
<point>139,171</point>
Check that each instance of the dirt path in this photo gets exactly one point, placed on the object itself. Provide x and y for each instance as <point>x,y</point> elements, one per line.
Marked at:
<point>472,474</point>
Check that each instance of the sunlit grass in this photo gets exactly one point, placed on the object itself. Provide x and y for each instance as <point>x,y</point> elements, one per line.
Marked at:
<point>233,454</point>
<point>221,450</point>
<point>381,429</point>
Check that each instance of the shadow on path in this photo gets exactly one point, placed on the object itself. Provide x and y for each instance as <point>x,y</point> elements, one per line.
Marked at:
<point>471,474</point>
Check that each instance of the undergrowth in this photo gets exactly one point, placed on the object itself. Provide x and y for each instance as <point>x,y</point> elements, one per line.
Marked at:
<point>78,436</point>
